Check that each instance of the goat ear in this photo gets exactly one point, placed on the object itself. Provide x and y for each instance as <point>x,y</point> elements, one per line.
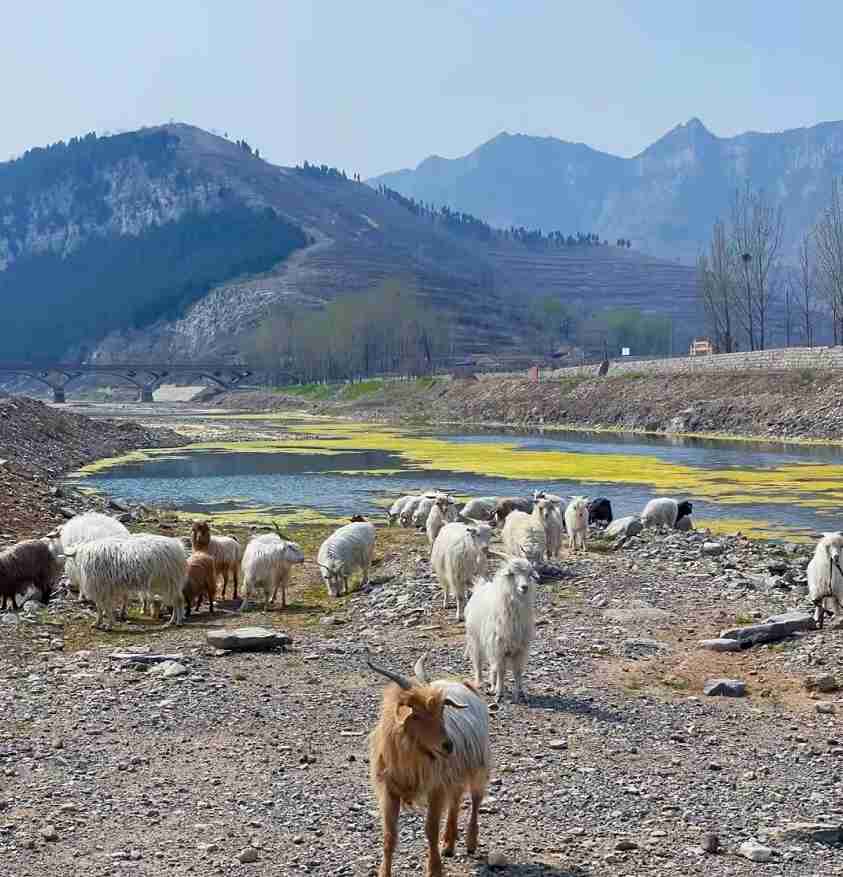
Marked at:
<point>454,704</point>
<point>402,713</point>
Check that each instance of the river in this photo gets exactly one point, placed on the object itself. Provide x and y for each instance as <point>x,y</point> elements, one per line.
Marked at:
<point>304,469</point>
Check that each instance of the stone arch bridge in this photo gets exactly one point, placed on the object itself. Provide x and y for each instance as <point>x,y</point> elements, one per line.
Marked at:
<point>147,377</point>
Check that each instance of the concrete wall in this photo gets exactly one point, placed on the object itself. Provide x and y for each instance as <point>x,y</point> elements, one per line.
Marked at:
<point>768,360</point>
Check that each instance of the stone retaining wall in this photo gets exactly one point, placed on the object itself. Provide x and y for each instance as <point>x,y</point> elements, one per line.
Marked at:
<point>768,360</point>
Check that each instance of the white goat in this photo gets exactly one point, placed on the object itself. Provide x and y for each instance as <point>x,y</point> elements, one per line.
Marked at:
<point>459,554</point>
<point>147,565</point>
<point>422,511</point>
<point>85,528</point>
<point>825,577</point>
<point>576,522</point>
<point>267,562</point>
<point>525,535</point>
<point>500,625</point>
<point>228,554</point>
<point>442,512</point>
<point>394,512</point>
<point>554,528</point>
<point>664,512</point>
<point>409,509</point>
<point>481,508</point>
<point>348,549</point>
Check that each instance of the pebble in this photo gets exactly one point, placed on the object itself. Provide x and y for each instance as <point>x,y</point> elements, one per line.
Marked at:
<point>49,833</point>
<point>755,851</point>
<point>825,708</point>
<point>498,860</point>
<point>625,844</point>
<point>558,744</point>
<point>248,855</point>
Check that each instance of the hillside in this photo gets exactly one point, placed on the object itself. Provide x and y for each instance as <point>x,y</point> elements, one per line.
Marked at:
<point>172,242</point>
<point>665,199</point>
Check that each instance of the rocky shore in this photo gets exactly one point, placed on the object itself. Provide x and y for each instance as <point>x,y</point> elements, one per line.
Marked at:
<point>793,404</point>
<point>40,443</point>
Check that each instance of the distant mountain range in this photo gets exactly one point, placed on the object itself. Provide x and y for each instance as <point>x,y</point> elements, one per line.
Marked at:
<point>664,200</point>
<point>171,242</point>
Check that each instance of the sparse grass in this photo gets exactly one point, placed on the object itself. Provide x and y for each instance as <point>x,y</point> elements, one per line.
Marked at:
<point>743,618</point>
<point>316,392</point>
<point>807,375</point>
<point>352,392</point>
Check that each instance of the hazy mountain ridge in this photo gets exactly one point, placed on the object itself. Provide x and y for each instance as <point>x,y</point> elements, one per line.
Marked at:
<point>665,199</point>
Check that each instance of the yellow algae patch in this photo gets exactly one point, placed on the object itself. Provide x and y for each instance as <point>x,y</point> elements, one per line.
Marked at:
<point>264,516</point>
<point>752,529</point>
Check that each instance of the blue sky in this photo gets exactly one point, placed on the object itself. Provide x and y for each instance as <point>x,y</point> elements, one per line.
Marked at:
<point>374,86</point>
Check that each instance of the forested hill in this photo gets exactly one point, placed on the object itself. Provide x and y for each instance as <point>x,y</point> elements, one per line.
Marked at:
<point>174,242</point>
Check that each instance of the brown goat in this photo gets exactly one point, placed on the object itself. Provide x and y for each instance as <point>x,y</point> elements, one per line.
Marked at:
<point>507,504</point>
<point>33,562</point>
<point>420,753</point>
<point>201,578</point>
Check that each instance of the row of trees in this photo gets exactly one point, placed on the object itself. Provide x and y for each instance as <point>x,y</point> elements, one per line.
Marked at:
<point>388,329</point>
<point>465,225</point>
<point>742,274</point>
<point>552,323</point>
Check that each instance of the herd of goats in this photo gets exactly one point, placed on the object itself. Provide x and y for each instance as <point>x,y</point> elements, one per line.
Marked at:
<point>431,744</point>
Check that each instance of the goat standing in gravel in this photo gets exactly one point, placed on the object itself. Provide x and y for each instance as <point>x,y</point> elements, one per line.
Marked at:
<point>500,625</point>
<point>825,577</point>
<point>431,746</point>
<point>576,523</point>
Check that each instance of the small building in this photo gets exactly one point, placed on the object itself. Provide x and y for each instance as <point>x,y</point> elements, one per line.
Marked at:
<point>702,347</point>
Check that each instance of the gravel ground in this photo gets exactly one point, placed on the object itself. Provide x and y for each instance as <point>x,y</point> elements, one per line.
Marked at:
<point>617,765</point>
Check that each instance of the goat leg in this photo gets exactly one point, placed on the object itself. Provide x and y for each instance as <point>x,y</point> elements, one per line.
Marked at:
<point>434,818</point>
<point>390,808</point>
<point>471,834</point>
<point>451,826</point>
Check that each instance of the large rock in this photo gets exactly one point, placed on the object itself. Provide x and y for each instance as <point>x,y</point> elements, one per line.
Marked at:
<point>725,688</point>
<point>721,645</point>
<point>247,639</point>
<point>711,549</point>
<point>623,527</point>
<point>755,851</point>
<point>774,628</point>
<point>813,832</point>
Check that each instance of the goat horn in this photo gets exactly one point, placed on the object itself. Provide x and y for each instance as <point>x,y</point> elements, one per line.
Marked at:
<point>419,670</point>
<point>400,680</point>
<point>454,704</point>
<point>281,536</point>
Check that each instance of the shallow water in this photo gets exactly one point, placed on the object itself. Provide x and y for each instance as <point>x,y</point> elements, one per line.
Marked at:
<point>340,469</point>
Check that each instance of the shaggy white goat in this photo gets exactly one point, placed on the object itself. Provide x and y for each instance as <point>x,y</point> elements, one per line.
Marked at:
<point>406,516</point>
<point>267,562</point>
<point>348,549</point>
<point>664,512</point>
<point>576,522</point>
<point>422,511</point>
<point>85,528</point>
<point>394,513</point>
<point>500,625</point>
<point>525,535</point>
<point>459,554</point>
<point>148,565</point>
<point>228,554</point>
<point>481,508</point>
<point>825,577</point>
<point>554,528</point>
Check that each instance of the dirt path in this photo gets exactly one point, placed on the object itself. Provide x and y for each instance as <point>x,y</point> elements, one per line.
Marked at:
<point>617,765</point>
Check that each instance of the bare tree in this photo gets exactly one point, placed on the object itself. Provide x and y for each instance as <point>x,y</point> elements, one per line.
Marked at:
<point>807,287</point>
<point>717,287</point>
<point>828,235</point>
<point>757,230</point>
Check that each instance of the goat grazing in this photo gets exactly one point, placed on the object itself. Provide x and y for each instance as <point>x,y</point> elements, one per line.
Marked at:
<point>348,549</point>
<point>500,626</point>
<point>599,511</point>
<point>481,508</point>
<point>394,512</point>
<point>148,565</point>
<point>267,563</point>
<point>825,577</point>
<point>508,504</point>
<point>576,522</point>
<point>665,512</point>
<point>85,528</point>
<point>35,561</point>
<point>526,535</point>
<point>430,746</point>
<point>458,555</point>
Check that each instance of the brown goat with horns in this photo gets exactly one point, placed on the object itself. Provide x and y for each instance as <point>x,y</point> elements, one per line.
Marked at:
<point>431,746</point>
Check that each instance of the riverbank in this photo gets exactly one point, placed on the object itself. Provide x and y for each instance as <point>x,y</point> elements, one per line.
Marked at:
<point>804,405</point>
<point>41,443</point>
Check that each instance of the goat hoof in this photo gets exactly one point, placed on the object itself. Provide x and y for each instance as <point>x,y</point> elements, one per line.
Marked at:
<point>448,852</point>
